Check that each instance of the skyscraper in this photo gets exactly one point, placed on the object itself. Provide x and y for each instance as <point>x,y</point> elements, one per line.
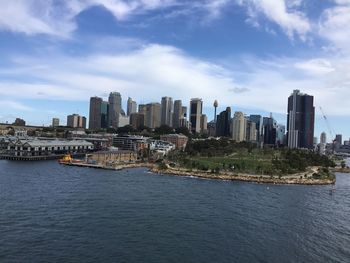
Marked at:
<point>239,123</point>
<point>300,121</point>
<point>104,114</point>
<point>223,122</point>
<point>270,130</point>
<point>177,113</point>
<point>258,120</point>
<point>131,106</point>
<point>251,131</point>
<point>167,108</point>
<point>323,138</point>
<point>115,108</point>
<point>196,106</point>
<point>153,115</point>
<point>95,113</point>
<point>204,124</point>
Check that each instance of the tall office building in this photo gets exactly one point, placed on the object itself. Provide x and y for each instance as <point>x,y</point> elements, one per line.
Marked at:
<point>251,131</point>
<point>258,120</point>
<point>204,124</point>
<point>137,120</point>
<point>223,122</point>
<point>270,130</point>
<point>114,109</point>
<point>239,123</point>
<point>76,121</point>
<point>167,109</point>
<point>153,115</point>
<point>280,134</point>
<point>55,122</point>
<point>104,114</point>
<point>196,106</point>
<point>95,113</point>
<point>131,106</point>
<point>300,121</point>
<point>323,138</point>
<point>177,113</point>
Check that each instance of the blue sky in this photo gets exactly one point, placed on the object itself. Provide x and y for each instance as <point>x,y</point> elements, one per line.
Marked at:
<point>247,54</point>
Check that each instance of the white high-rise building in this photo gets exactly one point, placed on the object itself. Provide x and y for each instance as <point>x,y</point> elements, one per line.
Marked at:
<point>115,109</point>
<point>131,106</point>
<point>167,109</point>
<point>239,124</point>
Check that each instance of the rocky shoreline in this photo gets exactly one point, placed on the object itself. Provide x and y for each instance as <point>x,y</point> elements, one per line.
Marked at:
<point>263,179</point>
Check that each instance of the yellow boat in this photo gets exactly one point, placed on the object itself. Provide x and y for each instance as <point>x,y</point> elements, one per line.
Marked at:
<point>67,158</point>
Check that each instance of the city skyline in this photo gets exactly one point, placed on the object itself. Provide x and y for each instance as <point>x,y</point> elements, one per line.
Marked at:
<point>52,64</point>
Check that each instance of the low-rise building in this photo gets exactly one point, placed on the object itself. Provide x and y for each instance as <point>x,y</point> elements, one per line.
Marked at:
<point>179,140</point>
<point>109,158</point>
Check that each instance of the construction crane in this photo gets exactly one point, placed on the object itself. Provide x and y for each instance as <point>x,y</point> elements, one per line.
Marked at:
<point>330,130</point>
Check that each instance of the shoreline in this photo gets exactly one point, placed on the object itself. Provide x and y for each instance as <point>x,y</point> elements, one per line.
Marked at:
<point>262,179</point>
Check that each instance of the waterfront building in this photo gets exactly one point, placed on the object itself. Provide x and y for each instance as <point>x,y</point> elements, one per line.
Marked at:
<point>167,109</point>
<point>110,158</point>
<point>323,138</point>
<point>94,114</point>
<point>239,123</point>
<point>223,122</point>
<point>33,147</point>
<point>114,109</point>
<point>55,122</point>
<point>301,120</point>
<point>130,143</point>
<point>104,114</point>
<point>19,122</point>
<point>179,140</point>
<point>196,106</point>
<point>137,120</point>
<point>131,106</point>
<point>76,121</point>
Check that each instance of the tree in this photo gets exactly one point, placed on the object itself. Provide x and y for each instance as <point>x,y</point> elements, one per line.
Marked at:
<point>163,129</point>
<point>182,130</point>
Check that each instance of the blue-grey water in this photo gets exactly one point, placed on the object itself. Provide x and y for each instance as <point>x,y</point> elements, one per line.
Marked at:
<point>53,213</point>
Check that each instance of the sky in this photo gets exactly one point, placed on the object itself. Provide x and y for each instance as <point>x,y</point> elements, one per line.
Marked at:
<point>248,54</point>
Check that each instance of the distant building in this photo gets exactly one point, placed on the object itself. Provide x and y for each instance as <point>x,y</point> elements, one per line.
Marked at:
<point>104,114</point>
<point>196,106</point>
<point>339,139</point>
<point>258,120</point>
<point>204,124</point>
<point>143,111</point>
<point>153,115</point>
<point>270,130</point>
<point>137,120</point>
<point>239,123</point>
<point>223,122</point>
<point>114,109</point>
<point>124,120</point>
<point>55,122</point>
<point>131,106</point>
<point>130,143</point>
<point>280,134</point>
<point>251,132</point>
<point>301,120</point>
<point>94,114</point>
<point>179,140</point>
<point>323,138</point>
<point>111,158</point>
<point>19,122</point>
<point>76,121</point>
<point>167,109</point>
<point>178,114</point>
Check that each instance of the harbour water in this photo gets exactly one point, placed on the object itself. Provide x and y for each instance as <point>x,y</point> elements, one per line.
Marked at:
<point>53,213</point>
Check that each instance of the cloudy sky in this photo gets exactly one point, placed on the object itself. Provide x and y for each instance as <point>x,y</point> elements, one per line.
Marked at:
<point>247,54</point>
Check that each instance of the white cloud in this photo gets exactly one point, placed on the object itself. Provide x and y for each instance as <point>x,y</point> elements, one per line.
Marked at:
<point>334,26</point>
<point>14,105</point>
<point>282,12</point>
<point>316,66</point>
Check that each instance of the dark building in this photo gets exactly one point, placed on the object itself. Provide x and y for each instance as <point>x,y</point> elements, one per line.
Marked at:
<point>196,106</point>
<point>270,130</point>
<point>137,120</point>
<point>223,123</point>
<point>95,113</point>
<point>300,121</point>
<point>258,120</point>
<point>104,115</point>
